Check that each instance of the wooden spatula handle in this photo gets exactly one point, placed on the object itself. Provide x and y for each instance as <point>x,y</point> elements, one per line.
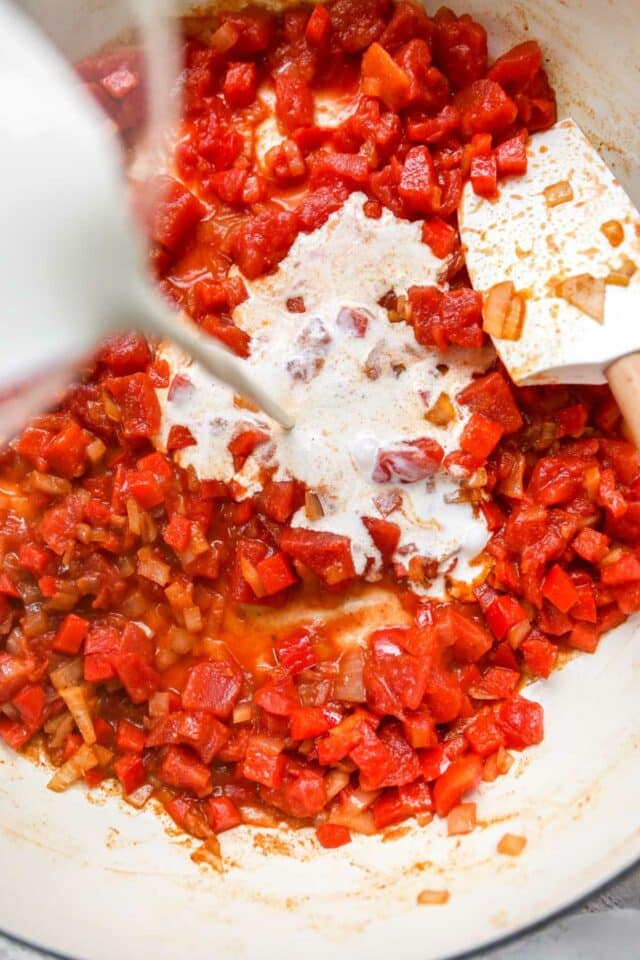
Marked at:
<point>624,380</point>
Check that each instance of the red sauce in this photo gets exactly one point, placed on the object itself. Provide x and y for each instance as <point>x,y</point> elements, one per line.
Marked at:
<point>200,635</point>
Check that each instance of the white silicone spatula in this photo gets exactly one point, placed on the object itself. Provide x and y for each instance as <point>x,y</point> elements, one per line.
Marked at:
<point>70,261</point>
<point>567,237</point>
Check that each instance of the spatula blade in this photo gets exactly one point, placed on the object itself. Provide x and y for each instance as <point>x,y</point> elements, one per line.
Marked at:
<point>528,237</point>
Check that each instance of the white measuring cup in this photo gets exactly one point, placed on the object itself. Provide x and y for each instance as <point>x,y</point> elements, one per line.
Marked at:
<point>71,262</point>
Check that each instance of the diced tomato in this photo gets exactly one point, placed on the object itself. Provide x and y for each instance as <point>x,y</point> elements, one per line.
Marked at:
<point>318,26</point>
<point>409,461</point>
<point>539,655</point>
<point>440,236</point>
<point>327,554</point>
<point>177,533</point>
<point>481,436</point>
<point>264,761</point>
<point>383,78</point>
<point>279,499</point>
<point>492,397</point>
<point>511,155</point>
<point>275,574</point>
<point>295,651</point>
<point>384,533</point>
<point>130,738</point>
<point>308,722</point>
<point>213,687</point>
<point>278,697</point>
<point>180,768</point>
<point>459,778</point>
<point>400,803</point>
<point>460,47</point>
<point>484,108</point>
<point>176,213</point>
<point>624,570</point>
<point>29,703</point>
<point>484,735</point>
<point>71,634</point>
<point>521,721</point>
<point>242,445</point>
<point>294,101</point>
<point>33,558</point>
<point>560,590</point>
<point>139,406</point>
<point>222,814</point>
<point>591,544</point>
<point>519,65</point>
<point>130,771</point>
<point>442,318</point>
<point>484,175</point>
<point>196,729</point>
<point>240,84</point>
<point>418,185</point>
<point>503,614</point>
<point>331,835</point>
<point>263,240</point>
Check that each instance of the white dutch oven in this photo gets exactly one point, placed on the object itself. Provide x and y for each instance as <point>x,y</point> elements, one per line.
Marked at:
<point>97,880</point>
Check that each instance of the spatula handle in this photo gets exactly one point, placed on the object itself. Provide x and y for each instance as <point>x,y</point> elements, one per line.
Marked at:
<point>624,380</point>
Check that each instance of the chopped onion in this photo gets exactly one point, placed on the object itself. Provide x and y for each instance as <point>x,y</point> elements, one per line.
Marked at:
<point>613,231</point>
<point>83,533</point>
<point>503,312</point>
<point>361,822</point>
<point>518,632</point>
<point>134,605</point>
<point>49,484</point>
<point>76,766</point>
<point>349,684</point>
<point>512,845</point>
<point>69,674</point>
<point>159,704</point>
<point>179,595</point>
<point>243,403</point>
<point>461,819</point>
<point>103,756</point>
<point>504,760</point>
<point>151,568</point>
<point>242,712</point>
<point>558,193</point>
<point>59,728</point>
<point>134,516</point>
<point>222,39</point>
<point>257,817</point>
<point>335,781</point>
<point>442,412</point>
<point>140,796</point>
<point>111,408</point>
<point>96,450</point>
<point>313,506</point>
<point>192,619</point>
<point>586,293</point>
<point>209,853</point>
<point>148,529</point>
<point>622,274</point>
<point>165,659</point>
<point>198,543</point>
<point>432,897</point>
<point>252,577</point>
<point>76,701</point>
<point>35,623</point>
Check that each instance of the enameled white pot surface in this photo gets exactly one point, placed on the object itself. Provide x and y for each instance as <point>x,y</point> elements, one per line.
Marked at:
<point>97,880</point>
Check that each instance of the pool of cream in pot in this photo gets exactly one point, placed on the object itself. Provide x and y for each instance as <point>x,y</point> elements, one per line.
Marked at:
<point>351,395</point>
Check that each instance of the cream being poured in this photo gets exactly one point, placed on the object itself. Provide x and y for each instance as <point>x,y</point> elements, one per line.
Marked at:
<point>357,385</point>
